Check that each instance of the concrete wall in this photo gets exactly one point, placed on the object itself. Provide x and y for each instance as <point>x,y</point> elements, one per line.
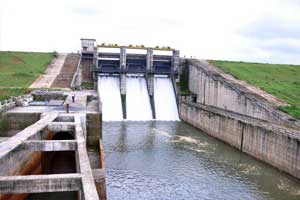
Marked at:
<point>87,69</point>
<point>273,144</point>
<point>94,128</point>
<point>15,101</point>
<point>19,121</point>
<point>21,163</point>
<point>215,90</point>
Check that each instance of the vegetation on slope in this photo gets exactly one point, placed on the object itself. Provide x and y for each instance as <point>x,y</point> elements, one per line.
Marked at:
<point>282,81</point>
<point>18,70</point>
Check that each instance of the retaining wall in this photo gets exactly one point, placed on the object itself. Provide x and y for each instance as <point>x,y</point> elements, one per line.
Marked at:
<point>273,144</point>
<point>213,88</point>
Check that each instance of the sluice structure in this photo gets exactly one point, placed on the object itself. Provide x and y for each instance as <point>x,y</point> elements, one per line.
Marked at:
<point>136,72</point>
<point>45,153</point>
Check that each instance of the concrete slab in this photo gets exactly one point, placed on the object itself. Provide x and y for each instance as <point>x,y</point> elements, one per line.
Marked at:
<point>55,103</point>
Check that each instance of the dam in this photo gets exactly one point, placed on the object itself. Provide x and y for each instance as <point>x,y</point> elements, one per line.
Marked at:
<point>133,132</point>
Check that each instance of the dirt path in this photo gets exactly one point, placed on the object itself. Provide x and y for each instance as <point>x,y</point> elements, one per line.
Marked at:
<point>53,70</point>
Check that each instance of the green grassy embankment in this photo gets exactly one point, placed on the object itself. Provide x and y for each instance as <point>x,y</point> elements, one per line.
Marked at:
<point>282,81</point>
<point>18,70</point>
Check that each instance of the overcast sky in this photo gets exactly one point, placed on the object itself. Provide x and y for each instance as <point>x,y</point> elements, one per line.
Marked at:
<point>248,30</point>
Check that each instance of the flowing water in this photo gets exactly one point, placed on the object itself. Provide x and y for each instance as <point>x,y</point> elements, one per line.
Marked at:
<point>109,91</point>
<point>165,100</point>
<point>137,99</point>
<point>172,160</point>
<point>138,105</point>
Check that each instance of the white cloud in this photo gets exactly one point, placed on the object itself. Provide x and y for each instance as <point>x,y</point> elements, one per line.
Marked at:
<point>212,29</point>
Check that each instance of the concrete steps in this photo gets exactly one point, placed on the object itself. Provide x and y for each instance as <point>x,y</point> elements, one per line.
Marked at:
<point>64,79</point>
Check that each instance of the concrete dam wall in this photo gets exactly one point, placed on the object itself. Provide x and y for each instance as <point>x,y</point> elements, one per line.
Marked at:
<point>231,113</point>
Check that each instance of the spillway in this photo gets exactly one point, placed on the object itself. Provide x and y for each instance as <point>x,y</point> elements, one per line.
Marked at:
<point>109,90</point>
<point>137,99</point>
<point>165,100</point>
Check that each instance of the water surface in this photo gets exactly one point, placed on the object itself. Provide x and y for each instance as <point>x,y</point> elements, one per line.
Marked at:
<point>172,160</point>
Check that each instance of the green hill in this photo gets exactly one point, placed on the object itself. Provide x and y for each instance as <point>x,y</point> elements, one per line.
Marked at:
<point>18,70</point>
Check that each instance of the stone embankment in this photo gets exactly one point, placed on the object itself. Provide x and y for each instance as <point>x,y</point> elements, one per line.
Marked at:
<point>64,79</point>
<point>237,114</point>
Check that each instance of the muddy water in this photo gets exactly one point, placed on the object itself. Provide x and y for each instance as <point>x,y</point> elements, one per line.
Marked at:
<point>172,160</point>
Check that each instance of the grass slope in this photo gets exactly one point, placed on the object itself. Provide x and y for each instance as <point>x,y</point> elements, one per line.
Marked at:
<point>282,81</point>
<point>18,70</point>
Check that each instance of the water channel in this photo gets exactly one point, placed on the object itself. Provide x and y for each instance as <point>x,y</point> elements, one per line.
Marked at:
<point>172,160</point>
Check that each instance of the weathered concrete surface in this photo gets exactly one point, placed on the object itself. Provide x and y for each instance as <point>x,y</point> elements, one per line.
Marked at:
<point>18,121</point>
<point>9,149</point>
<point>220,90</point>
<point>53,70</point>
<point>87,67</point>
<point>40,183</point>
<point>15,101</point>
<point>49,145</point>
<point>27,141</point>
<point>99,178</point>
<point>61,126</point>
<point>94,128</point>
<point>65,77</point>
<point>274,144</point>
<point>89,188</point>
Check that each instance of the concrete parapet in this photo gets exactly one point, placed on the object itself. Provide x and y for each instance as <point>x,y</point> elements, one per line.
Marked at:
<point>15,101</point>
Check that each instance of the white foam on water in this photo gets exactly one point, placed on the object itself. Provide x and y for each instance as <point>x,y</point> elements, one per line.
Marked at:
<point>165,100</point>
<point>138,105</point>
<point>161,132</point>
<point>109,91</point>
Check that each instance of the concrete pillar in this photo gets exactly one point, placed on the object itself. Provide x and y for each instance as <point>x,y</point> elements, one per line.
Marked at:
<point>175,60</point>
<point>95,66</point>
<point>123,84</point>
<point>122,67</point>
<point>123,80</point>
<point>149,60</point>
<point>122,58</point>
<point>150,80</point>
<point>123,93</point>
